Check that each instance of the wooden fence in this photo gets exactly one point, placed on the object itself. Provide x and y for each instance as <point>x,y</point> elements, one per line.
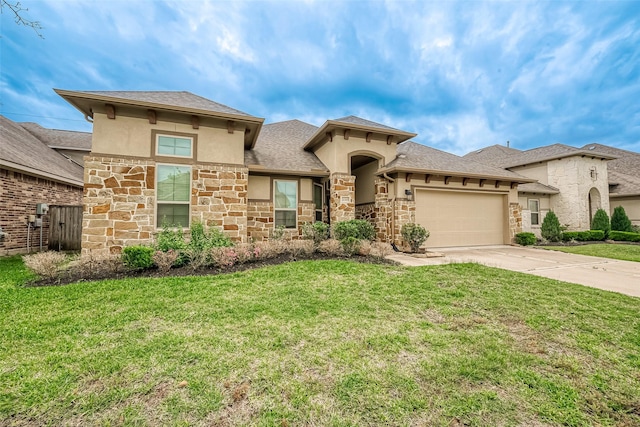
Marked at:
<point>65,228</point>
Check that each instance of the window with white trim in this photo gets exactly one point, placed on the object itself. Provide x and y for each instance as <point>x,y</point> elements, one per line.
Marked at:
<point>318,192</point>
<point>534,207</point>
<point>173,191</point>
<point>174,146</point>
<point>285,203</point>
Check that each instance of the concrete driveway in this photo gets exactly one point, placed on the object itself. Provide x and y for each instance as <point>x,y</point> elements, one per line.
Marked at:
<point>602,273</point>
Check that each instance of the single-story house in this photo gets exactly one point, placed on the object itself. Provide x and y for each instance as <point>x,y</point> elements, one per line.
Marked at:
<point>37,166</point>
<point>175,158</point>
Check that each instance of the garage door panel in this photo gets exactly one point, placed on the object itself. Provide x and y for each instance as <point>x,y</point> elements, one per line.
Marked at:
<point>459,218</point>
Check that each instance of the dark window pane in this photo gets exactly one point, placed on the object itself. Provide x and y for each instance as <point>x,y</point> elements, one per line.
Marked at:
<point>286,218</point>
<point>173,215</point>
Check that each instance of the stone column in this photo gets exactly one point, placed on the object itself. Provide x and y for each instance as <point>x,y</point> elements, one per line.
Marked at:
<point>382,220</point>
<point>343,197</point>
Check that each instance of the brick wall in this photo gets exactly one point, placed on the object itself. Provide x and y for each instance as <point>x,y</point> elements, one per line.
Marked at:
<point>19,194</point>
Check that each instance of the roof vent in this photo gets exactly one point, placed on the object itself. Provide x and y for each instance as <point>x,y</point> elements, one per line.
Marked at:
<point>479,151</point>
<point>593,147</point>
<point>402,156</point>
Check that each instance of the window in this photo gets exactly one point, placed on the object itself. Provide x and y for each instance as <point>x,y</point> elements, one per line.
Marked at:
<point>285,200</point>
<point>534,207</point>
<point>174,146</point>
<point>173,190</point>
<point>317,200</point>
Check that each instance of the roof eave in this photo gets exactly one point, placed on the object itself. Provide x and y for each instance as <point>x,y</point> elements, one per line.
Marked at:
<point>600,156</point>
<point>21,168</point>
<point>319,136</point>
<point>270,171</point>
<point>521,180</point>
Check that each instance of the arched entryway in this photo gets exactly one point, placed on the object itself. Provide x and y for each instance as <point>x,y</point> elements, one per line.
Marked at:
<point>364,165</point>
<point>595,202</point>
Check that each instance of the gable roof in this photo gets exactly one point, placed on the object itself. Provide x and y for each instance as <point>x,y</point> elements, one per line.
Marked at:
<point>22,151</point>
<point>627,162</point>
<point>357,123</point>
<point>176,102</point>
<point>65,139</point>
<point>279,149</point>
<point>414,157</point>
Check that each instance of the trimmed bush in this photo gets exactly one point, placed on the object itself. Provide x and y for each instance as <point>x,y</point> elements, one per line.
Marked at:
<point>317,231</point>
<point>601,222</point>
<point>415,235</point>
<point>359,229</point>
<point>170,239</point>
<point>624,236</point>
<point>620,221</point>
<point>46,264</point>
<point>583,236</point>
<point>526,239</point>
<point>551,229</point>
<point>138,257</point>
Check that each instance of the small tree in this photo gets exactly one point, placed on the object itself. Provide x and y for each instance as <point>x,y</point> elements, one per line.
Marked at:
<point>620,221</point>
<point>551,229</point>
<point>601,222</point>
<point>415,235</point>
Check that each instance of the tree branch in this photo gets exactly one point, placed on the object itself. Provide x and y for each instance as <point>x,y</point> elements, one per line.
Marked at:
<point>18,12</point>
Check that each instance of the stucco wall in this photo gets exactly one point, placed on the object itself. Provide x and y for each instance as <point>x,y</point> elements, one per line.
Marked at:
<point>572,176</point>
<point>365,182</point>
<point>631,207</point>
<point>538,171</point>
<point>132,136</point>
<point>336,154</point>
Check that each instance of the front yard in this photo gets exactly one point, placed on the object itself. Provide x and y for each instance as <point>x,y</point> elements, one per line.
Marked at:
<point>319,343</point>
<point>623,252</point>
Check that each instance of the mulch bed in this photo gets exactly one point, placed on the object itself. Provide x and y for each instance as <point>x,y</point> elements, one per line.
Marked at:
<point>71,276</point>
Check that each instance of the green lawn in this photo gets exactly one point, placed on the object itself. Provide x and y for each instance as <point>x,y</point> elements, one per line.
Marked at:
<point>332,343</point>
<point>619,251</point>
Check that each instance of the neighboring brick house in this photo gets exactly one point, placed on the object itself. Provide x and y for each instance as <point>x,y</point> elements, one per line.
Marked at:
<point>573,182</point>
<point>176,157</point>
<point>32,172</point>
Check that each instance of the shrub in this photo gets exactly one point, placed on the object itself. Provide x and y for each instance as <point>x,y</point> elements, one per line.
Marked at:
<point>45,264</point>
<point>526,239</point>
<point>165,260</point>
<point>620,221</point>
<point>170,239</point>
<point>277,233</point>
<point>224,257</point>
<point>583,236</point>
<point>380,250</point>
<point>601,222</point>
<point>138,257</point>
<point>415,235</point>
<point>359,229</point>
<point>331,247</point>
<point>350,245</point>
<point>206,239</point>
<point>551,229</point>
<point>624,236</point>
<point>91,265</point>
<point>317,231</point>
<point>300,248</point>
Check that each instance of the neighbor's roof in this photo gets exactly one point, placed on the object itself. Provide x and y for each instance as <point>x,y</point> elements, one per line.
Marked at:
<point>279,149</point>
<point>627,162</point>
<point>356,123</point>
<point>177,102</point>
<point>494,155</point>
<point>414,157</point>
<point>22,151</point>
<point>65,139</point>
<point>538,188</point>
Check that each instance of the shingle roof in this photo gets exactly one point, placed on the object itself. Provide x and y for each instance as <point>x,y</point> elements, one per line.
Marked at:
<point>548,152</point>
<point>623,184</point>
<point>70,140</point>
<point>21,150</point>
<point>177,99</point>
<point>363,122</point>
<point>627,162</point>
<point>279,148</point>
<point>494,155</point>
<point>536,187</point>
<point>413,157</point>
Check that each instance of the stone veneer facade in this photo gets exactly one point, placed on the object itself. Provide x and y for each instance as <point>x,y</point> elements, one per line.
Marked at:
<point>515,220</point>
<point>342,197</point>
<point>119,201</point>
<point>19,193</point>
<point>261,223</point>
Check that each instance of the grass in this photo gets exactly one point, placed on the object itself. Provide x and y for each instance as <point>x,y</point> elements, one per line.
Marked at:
<point>605,250</point>
<point>330,343</point>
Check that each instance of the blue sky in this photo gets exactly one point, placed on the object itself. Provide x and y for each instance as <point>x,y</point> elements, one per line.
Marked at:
<point>461,74</point>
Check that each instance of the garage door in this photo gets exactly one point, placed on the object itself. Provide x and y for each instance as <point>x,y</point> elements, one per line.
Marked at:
<point>461,218</point>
